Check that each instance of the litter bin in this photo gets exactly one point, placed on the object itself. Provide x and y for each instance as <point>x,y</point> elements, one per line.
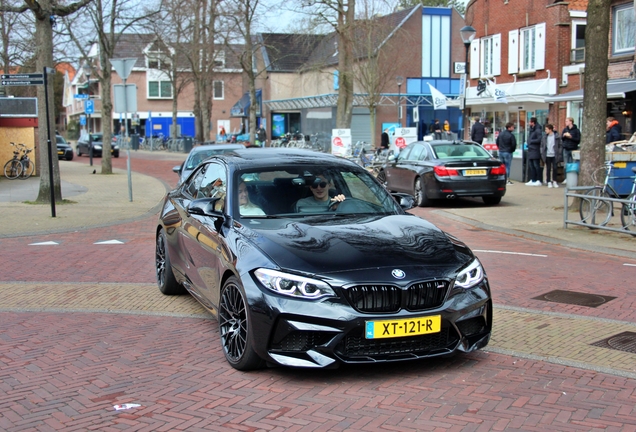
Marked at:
<point>187,144</point>
<point>572,174</point>
<point>134,141</point>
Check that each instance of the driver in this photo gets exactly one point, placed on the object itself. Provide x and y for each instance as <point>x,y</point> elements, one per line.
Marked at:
<point>319,201</point>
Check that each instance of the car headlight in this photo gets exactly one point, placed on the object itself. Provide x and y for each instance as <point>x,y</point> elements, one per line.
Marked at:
<point>97,147</point>
<point>115,147</point>
<point>293,285</point>
<point>470,276</point>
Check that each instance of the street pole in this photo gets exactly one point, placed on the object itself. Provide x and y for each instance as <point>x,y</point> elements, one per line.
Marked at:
<point>468,34</point>
<point>399,80</point>
<point>130,197</point>
<point>49,144</point>
<point>87,72</point>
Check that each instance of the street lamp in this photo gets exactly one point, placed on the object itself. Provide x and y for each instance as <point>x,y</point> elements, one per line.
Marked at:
<point>87,73</point>
<point>468,34</point>
<point>399,80</point>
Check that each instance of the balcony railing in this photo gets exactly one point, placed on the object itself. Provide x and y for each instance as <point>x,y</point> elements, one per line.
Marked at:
<point>577,55</point>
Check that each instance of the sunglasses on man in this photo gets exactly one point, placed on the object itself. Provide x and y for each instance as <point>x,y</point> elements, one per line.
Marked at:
<point>322,185</point>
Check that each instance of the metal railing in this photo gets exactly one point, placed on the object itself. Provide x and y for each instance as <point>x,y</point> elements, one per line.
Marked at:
<point>591,225</point>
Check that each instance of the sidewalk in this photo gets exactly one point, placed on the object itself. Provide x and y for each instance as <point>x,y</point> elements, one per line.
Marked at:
<point>100,200</point>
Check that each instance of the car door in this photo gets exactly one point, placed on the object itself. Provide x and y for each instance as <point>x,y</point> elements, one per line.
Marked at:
<point>407,168</point>
<point>394,170</point>
<point>203,244</point>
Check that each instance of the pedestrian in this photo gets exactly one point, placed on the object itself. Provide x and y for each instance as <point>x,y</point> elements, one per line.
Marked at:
<point>478,131</point>
<point>437,130</point>
<point>431,127</point>
<point>614,130</point>
<point>447,129</point>
<point>534,153</point>
<point>571,137</point>
<point>551,154</point>
<point>507,144</point>
<point>384,141</point>
<point>222,133</point>
<point>261,136</point>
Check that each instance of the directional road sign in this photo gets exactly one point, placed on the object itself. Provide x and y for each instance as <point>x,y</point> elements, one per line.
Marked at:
<point>22,79</point>
<point>89,106</point>
<point>80,96</point>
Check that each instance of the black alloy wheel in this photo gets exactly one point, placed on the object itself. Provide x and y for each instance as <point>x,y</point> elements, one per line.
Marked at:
<point>235,329</point>
<point>166,281</point>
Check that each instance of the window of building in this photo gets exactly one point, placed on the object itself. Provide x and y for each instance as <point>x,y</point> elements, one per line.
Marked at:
<point>578,41</point>
<point>528,49</point>
<point>157,62</point>
<point>487,55</point>
<point>218,90</point>
<point>219,59</point>
<point>623,27</point>
<point>160,89</point>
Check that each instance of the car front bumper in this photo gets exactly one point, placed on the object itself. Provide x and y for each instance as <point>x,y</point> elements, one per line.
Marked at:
<point>324,333</point>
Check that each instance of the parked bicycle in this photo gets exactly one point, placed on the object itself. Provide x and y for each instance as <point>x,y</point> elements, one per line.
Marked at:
<point>628,213</point>
<point>595,209</point>
<point>20,166</point>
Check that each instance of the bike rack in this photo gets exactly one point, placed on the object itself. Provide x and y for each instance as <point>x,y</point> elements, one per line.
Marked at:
<point>567,222</point>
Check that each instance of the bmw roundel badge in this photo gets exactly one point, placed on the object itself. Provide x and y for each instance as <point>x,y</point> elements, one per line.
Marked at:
<point>398,274</point>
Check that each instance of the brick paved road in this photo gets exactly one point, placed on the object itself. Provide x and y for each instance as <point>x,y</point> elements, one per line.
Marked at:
<point>84,328</point>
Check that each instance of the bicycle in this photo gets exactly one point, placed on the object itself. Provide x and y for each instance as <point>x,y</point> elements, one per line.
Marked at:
<point>595,210</point>
<point>20,166</point>
<point>628,212</point>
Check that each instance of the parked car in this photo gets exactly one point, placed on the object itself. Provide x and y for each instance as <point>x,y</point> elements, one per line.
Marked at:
<point>199,154</point>
<point>64,150</point>
<point>433,170</point>
<point>356,281</point>
<point>83,147</point>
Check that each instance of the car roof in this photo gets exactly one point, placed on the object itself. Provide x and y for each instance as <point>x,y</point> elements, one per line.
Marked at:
<point>216,147</point>
<point>272,157</point>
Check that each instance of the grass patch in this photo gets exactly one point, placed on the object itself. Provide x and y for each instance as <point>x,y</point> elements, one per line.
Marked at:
<point>64,201</point>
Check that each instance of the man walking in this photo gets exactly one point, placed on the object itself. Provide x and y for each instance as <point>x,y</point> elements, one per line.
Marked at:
<point>571,137</point>
<point>534,153</point>
<point>551,152</point>
<point>507,144</point>
<point>478,131</point>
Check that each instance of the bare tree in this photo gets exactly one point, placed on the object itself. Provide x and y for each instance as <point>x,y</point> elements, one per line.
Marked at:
<point>242,17</point>
<point>44,12</point>
<point>378,59</point>
<point>16,40</point>
<point>340,15</point>
<point>108,19</point>
<point>595,97</point>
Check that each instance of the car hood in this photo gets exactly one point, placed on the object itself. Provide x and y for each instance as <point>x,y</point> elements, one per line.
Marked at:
<point>327,246</point>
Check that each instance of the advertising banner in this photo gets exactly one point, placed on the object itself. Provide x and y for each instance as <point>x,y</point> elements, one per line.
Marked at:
<point>402,138</point>
<point>341,142</point>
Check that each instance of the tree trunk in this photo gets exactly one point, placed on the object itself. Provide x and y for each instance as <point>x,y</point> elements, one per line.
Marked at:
<point>44,58</point>
<point>107,113</point>
<point>345,66</point>
<point>595,97</point>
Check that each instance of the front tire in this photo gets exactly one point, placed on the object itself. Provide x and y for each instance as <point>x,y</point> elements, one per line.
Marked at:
<point>27,170</point>
<point>166,281</point>
<point>628,214</point>
<point>12,169</point>
<point>235,328</point>
<point>420,194</point>
<point>594,210</point>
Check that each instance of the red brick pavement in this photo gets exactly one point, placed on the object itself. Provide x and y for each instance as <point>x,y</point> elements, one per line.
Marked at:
<point>67,371</point>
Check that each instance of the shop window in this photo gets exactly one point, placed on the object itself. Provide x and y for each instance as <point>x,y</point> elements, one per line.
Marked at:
<point>623,26</point>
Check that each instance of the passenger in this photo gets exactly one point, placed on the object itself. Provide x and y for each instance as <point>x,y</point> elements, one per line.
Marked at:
<point>246,207</point>
<point>319,201</point>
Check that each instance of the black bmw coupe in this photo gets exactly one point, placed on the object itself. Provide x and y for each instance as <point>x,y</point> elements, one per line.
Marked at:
<point>307,261</point>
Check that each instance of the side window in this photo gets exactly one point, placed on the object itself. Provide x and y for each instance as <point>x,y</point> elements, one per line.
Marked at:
<point>424,154</point>
<point>404,154</point>
<point>192,187</point>
<point>416,152</point>
<point>213,184</point>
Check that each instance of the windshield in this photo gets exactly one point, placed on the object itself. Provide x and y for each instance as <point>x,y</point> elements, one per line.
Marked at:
<point>311,191</point>
<point>197,157</point>
<point>456,151</point>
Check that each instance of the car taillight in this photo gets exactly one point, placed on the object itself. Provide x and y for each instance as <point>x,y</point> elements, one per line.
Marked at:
<point>500,170</point>
<point>442,171</point>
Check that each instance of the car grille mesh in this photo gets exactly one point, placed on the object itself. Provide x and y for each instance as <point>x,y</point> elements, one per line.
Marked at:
<point>388,298</point>
<point>356,345</point>
<point>301,341</point>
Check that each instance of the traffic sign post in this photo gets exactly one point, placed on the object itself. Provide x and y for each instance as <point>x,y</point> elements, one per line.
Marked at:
<point>89,106</point>
<point>22,79</point>
<point>80,96</point>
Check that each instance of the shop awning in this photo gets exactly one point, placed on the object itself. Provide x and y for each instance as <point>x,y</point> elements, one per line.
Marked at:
<point>242,107</point>
<point>616,89</point>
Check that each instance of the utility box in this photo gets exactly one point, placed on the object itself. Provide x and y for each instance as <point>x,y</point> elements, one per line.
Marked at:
<point>134,141</point>
<point>187,144</point>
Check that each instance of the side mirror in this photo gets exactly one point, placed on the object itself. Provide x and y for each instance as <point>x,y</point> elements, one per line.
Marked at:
<point>206,207</point>
<point>406,201</point>
<point>177,169</point>
<point>392,158</point>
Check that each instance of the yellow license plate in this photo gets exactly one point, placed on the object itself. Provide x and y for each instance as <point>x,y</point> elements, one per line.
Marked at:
<point>474,172</point>
<point>620,164</point>
<point>403,327</point>
<point>60,152</point>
